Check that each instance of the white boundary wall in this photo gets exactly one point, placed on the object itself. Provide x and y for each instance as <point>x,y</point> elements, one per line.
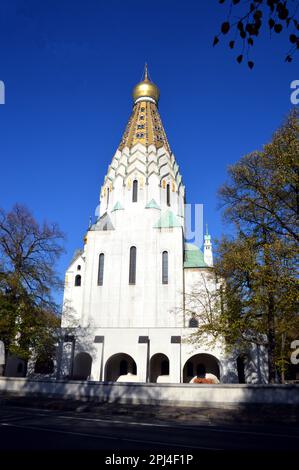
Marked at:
<point>172,394</point>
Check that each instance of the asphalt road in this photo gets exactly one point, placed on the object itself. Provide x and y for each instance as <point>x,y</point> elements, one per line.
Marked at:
<point>27,429</point>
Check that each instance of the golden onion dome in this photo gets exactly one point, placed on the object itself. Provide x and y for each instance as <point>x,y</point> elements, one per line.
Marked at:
<point>146,89</point>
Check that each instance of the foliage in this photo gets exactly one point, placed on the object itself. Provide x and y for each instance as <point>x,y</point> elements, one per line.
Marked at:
<point>245,21</point>
<point>258,303</point>
<point>28,314</point>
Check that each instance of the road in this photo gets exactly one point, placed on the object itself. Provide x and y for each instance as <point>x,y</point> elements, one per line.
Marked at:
<point>28,429</point>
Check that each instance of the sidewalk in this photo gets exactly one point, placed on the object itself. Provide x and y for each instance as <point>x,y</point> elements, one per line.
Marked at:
<point>281,415</point>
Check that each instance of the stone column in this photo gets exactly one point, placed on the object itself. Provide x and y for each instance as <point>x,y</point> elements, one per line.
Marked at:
<point>143,359</point>
<point>97,368</point>
<point>175,360</point>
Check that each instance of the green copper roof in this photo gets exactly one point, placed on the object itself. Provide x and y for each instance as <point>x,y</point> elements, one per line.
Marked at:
<point>152,205</point>
<point>193,257</point>
<point>117,207</point>
<point>168,220</point>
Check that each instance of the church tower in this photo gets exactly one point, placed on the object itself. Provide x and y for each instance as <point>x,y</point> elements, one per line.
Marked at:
<point>131,268</point>
<point>207,249</point>
<point>143,173</point>
<point>124,313</point>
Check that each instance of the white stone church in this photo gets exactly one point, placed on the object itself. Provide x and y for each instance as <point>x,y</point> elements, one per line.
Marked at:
<point>124,314</point>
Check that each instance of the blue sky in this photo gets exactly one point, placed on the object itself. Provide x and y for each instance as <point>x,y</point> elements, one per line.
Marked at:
<point>69,68</point>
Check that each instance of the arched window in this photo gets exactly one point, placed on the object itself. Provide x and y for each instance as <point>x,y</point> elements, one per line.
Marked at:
<point>165,267</point>
<point>108,193</point>
<point>101,269</point>
<point>132,270</point>
<point>193,322</point>
<point>78,280</point>
<point>135,191</point>
<point>168,194</point>
<point>78,267</point>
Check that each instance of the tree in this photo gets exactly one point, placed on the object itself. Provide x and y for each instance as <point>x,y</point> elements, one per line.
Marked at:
<point>260,296</point>
<point>264,187</point>
<point>28,314</point>
<point>258,303</point>
<point>262,200</point>
<point>245,21</point>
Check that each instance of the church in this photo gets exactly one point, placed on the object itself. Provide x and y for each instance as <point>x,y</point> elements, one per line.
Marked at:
<point>125,316</point>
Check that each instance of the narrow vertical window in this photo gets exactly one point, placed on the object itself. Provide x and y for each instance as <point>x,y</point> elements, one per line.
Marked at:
<point>78,280</point>
<point>165,267</point>
<point>132,271</point>
<point>108,193</point>
<point>168,194</point>
<point>135,191</point>
<point>101,269</point>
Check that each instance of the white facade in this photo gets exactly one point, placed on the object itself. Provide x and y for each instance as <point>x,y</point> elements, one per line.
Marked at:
<point>124,314</point>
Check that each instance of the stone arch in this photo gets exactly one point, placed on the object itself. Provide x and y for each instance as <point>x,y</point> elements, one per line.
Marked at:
<point>82,366</point>
<point>15,367</point>
<point>200,365</point>
<point>119,365</point>
<point>159,366</point>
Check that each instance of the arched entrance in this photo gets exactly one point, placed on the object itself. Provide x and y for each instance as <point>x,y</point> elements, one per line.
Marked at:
<point>44,365</point>
<point>82,366</point>
<point>119,365</point>
<point>241,361</point>
<point>199,365</point>
<point>159,366</point>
